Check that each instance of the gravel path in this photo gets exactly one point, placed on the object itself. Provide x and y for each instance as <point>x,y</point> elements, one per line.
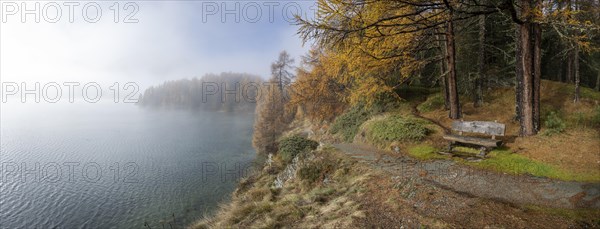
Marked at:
<point>481,183</point>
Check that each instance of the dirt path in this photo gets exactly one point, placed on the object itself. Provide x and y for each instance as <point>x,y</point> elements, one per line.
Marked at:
<point>459,178</point>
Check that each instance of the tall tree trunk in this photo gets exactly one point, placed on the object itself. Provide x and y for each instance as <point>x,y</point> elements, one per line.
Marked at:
<point>450,57</point>
<point>569,70</point>
<point>598,81</point>
<point>478,99</point>
<point>518,74</point>
<point>443,73</point>
<point>526,103</point>
<point>576,62</point>
<point>537,71</point>
<point>576,72</point>
<point>528,64</point>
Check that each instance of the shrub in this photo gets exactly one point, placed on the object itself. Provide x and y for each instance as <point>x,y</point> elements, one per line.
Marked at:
<point>396,128</point>
<point>554,124</point>
<point>347,124</point>
<point>432,103</point>
<point>316,170</point>
<point>291,146</point>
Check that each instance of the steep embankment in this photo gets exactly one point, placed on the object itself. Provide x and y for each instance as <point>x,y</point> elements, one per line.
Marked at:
<point>331,189</point>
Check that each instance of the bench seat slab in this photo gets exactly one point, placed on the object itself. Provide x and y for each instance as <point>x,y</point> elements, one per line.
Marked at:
<point>473,140</point>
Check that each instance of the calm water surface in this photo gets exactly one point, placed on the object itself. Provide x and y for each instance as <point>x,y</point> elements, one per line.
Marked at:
<point>116,165</point>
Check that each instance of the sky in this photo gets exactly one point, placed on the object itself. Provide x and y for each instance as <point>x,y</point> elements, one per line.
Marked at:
<point>146,42</point>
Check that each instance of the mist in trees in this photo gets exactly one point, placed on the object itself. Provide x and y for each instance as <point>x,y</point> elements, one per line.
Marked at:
<point>229,92</point>
<point>281,70</point>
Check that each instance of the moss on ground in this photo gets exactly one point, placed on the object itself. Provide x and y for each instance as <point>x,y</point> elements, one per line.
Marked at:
<point>504,161</point>
<point>425,152</point>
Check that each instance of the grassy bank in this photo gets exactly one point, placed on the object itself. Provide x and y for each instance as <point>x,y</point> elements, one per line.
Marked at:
<point>322,193</point>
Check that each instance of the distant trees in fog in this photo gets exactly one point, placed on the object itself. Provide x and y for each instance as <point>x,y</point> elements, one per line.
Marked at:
<point>231,92</point>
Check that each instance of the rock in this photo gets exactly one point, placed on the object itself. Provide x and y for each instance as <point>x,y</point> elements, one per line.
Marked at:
<point>289,172</point>
<point>395,147</point>
<point>359,214</point>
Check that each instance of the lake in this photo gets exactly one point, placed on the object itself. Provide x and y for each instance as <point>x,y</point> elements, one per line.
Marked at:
<point>110,165</point>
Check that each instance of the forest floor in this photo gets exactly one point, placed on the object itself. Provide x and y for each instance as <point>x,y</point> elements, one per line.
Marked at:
<point>567,147</point>
<point>575,149</point>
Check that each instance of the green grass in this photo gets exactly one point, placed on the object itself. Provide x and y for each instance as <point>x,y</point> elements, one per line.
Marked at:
<point>466,150</point>
<point>396,128</point>
<point>588,93</point>
<point>425,152</point>
<point>432,103</point>
<point>569,89</point>
<point>502,160</point>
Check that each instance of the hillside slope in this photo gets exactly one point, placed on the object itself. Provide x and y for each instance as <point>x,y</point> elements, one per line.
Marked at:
<point>343,192</point>
<point>347,186</point>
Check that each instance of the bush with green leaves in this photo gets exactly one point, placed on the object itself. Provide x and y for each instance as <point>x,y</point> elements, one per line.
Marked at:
<point>553,124</point>
<point>291,146</point>
<point>396,128</point>
<point>315,171</point>
<point>347,124</point>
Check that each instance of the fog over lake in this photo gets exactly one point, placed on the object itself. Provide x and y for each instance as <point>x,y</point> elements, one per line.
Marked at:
<point>108,165</point>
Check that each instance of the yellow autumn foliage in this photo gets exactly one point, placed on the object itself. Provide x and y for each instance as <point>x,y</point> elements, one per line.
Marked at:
<point>374,61</point>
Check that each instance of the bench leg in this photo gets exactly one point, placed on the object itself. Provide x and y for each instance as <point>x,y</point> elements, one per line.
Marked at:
<point>483,151</point>
<point>450,147</point>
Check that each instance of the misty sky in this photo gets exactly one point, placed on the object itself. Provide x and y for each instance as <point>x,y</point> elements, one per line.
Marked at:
<point>171,40</point>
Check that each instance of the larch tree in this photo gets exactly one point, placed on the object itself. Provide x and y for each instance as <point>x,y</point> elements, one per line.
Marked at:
<point>451,87</point>
<point>282,71</point>
<point>319,95</point>
<point>378,42</point>
<point>272,118</point>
